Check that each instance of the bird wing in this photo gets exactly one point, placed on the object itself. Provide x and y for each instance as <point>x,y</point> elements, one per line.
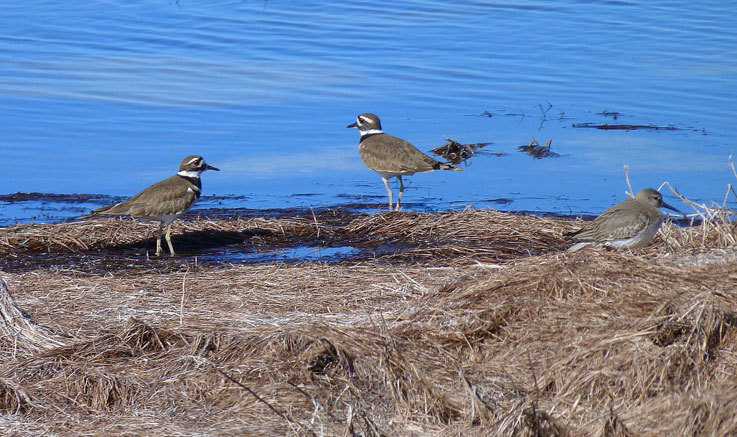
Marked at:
<point>388,153</point>
<point>623,220</point>
<point>165,197</point>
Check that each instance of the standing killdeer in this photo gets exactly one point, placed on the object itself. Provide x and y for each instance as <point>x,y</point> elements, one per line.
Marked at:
<point>391,156</point>
<point>163,201</point>
<point>630,224</point>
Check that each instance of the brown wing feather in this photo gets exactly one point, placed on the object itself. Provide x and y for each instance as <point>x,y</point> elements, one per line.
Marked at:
<point>623,220</point>
<point>388,153</point>
<point>170,197</point>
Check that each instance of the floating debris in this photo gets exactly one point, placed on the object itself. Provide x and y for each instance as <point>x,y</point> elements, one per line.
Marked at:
<point>455,152</point>
<point>613,114</point>
<point>535,150</point>
<point>52,197</point>
<point>625,126</point>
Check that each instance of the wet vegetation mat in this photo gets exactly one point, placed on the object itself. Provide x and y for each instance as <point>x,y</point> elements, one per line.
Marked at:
<point>606,126</point>
<point>473,322</point>
<point>106,244</point>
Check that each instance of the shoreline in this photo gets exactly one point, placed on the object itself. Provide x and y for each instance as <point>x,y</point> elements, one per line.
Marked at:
<point>53,208</point>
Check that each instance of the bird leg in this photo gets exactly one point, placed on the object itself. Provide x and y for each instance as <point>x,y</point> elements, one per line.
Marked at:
<point>158,239</point>
<point>168,238</point>
<point>389,191</point>
<point>401,190</point>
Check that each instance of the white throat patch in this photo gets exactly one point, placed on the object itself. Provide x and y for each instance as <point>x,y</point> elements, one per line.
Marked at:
<point>189,173</point>
<point>371,132</point>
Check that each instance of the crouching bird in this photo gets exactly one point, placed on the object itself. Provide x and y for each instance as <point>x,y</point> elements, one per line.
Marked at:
<point>630,224</point>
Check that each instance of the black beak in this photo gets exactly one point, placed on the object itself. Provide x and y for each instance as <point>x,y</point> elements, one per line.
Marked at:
<point>209,167</point>
<point>665,205</point>
<point>354,124</point>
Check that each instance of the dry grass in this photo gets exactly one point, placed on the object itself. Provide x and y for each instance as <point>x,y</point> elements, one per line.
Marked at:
<point>464,323</point>
<point>409,235</point>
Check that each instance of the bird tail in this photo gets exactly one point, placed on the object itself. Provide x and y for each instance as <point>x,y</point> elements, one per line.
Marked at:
<point>86,216</point>
<point>578,246</point>
<point>443,166</point>
<point>96,212</point>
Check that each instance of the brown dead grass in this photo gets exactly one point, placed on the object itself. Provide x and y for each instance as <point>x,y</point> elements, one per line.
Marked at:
<point>474,323</point>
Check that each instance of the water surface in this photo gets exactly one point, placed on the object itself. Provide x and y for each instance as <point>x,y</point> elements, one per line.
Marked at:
<point>106,98</point>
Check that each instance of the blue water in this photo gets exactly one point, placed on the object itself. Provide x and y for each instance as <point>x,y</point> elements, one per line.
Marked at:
<point>106,97</point>
<point>288,254</point>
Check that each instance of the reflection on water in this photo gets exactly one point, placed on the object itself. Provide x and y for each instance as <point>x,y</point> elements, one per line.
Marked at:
<point>101,97</point>
<point>288,254</point>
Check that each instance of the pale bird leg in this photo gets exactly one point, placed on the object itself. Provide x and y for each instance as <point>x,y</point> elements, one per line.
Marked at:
<point>158,239</point>
<point>168,239</point>
<point>401,190</point>
<point>389,191</point>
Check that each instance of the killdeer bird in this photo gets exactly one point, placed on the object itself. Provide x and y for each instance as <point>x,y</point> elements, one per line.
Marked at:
<point>163,201</point>
<point>630,224</point>
<point>391,157</point>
